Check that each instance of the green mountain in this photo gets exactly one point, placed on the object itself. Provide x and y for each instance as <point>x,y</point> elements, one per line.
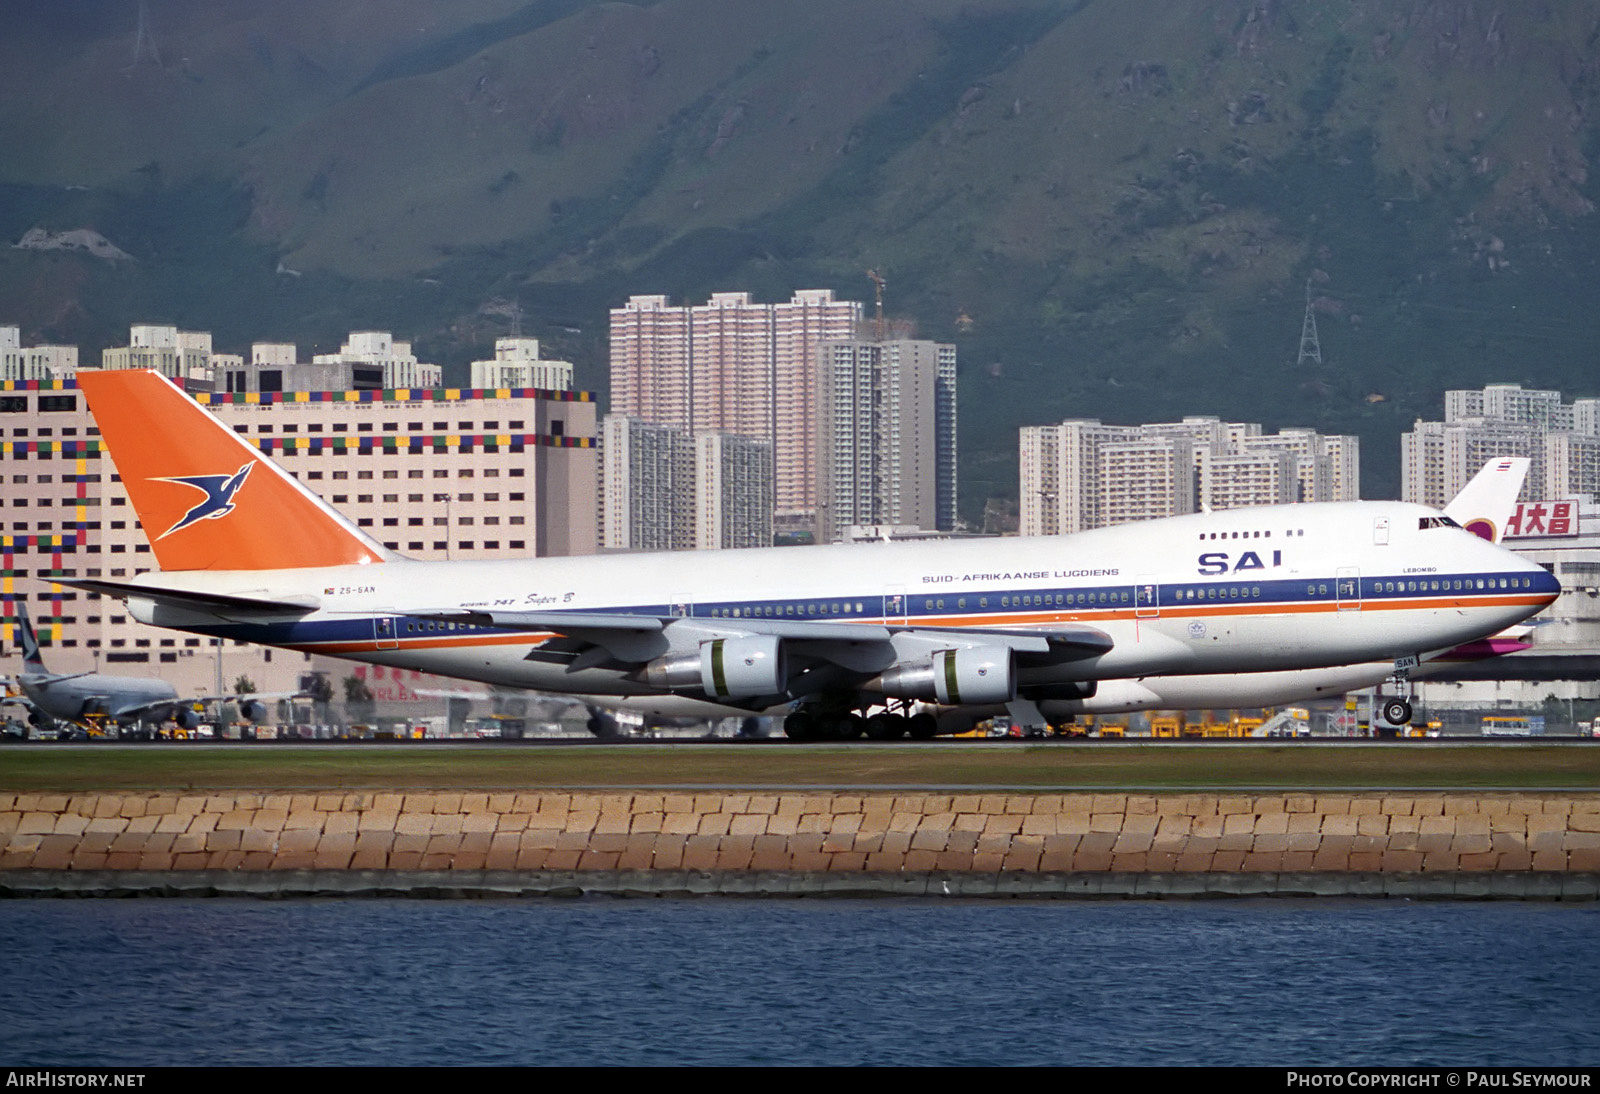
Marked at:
<point>1115,209</point>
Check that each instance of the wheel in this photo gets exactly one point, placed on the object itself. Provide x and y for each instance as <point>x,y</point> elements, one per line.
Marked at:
<point>839,727</point>
<point>800,726</point>
<point>886,727</point>
<point>922,726</point>
<point>1397,712</point>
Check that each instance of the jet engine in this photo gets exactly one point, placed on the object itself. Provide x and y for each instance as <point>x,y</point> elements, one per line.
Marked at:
<point>985,674</point>
<point>726,668</point>
<point>253,710</point>
<point>187,719</point>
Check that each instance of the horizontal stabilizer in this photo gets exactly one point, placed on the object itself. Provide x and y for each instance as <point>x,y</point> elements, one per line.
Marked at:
<point>200,601</point>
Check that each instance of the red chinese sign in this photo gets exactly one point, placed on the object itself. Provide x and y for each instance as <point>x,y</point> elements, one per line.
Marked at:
<point>1543,518</point>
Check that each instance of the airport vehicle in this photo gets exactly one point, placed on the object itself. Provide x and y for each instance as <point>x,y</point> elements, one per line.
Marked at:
<point>96,701</point>
<point>822,633</point>
<point>1516,725</point>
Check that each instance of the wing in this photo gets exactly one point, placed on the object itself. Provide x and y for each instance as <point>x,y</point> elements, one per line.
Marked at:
<point>785,658</point>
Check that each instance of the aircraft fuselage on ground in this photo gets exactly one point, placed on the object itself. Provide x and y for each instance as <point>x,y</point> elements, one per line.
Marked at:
<point>960,623</point>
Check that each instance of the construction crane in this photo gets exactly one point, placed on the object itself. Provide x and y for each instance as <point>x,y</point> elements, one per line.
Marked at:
<point>877,322</point>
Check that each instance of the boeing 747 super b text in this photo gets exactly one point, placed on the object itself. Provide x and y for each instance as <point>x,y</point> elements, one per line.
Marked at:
<point>824,635</point>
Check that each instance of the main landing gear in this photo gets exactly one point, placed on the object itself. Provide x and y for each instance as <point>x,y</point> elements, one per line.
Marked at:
<point>823,724</point>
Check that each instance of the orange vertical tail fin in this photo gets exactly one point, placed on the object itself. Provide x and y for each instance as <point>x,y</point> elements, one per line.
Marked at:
<point>208,500</point>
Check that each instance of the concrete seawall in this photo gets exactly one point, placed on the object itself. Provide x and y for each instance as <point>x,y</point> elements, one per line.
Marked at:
<point>1384,843</point>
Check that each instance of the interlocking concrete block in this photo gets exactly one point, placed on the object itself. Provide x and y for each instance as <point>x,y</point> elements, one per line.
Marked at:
<point>1272,824</point>
<point>1372,824</point>
<point>308,819</point>
<point>885,862</point>
<point>969,822</point>
<point>638,853</point>
<point>341,823</point>
<point>481,821</point>
<point>672,803</point>
<point>224,840</point>
<point>1106,822</point>
<point>1237,824</point>
<point>1039,824</point>
<point>668,852</point>
<point>714,824</point>
<point>745,824</point>
<point>581,820</point>
<point>1339,824</point>
<point>236,820</point>
<point>1583,822</point>
<point>1263,862</point>
<point>374,820</point>
<point>66,824</point>
<point>700,852</point>
<point>1329,858</point>
<point>1132,843</point>
<point>414,824</point>
<point>813,822</point>
<point>1092,861</point>
<point>897,843</point>
<point>956,841</point>
<point>548,818</point>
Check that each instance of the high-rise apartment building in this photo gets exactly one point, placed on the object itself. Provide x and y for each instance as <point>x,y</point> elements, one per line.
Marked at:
<point>733,366</point>
<point>1561,441</point>
<point>664,489</point>
<point>886,435</point>
<point>647,491</point>
<point>1082,474</point>
<point>733,491</point>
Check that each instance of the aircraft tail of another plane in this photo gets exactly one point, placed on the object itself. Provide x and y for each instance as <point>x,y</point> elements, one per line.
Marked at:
<point>1485,504</point>
<point>32,662</point>
<point>207,498</point>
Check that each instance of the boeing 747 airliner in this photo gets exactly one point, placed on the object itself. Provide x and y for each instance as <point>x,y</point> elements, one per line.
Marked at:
<point>823,635</point>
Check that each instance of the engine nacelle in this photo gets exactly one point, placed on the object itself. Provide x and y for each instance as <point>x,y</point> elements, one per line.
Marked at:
<point>986,674</point>
<point>187,719</point>
<point>726,668</point>
<point>252,710</point>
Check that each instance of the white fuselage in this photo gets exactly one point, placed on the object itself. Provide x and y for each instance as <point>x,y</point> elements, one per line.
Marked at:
<point>77,697</point>
<point>1273,589</point>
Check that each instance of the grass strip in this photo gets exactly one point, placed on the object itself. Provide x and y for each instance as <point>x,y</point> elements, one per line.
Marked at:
<point>27,769</point>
